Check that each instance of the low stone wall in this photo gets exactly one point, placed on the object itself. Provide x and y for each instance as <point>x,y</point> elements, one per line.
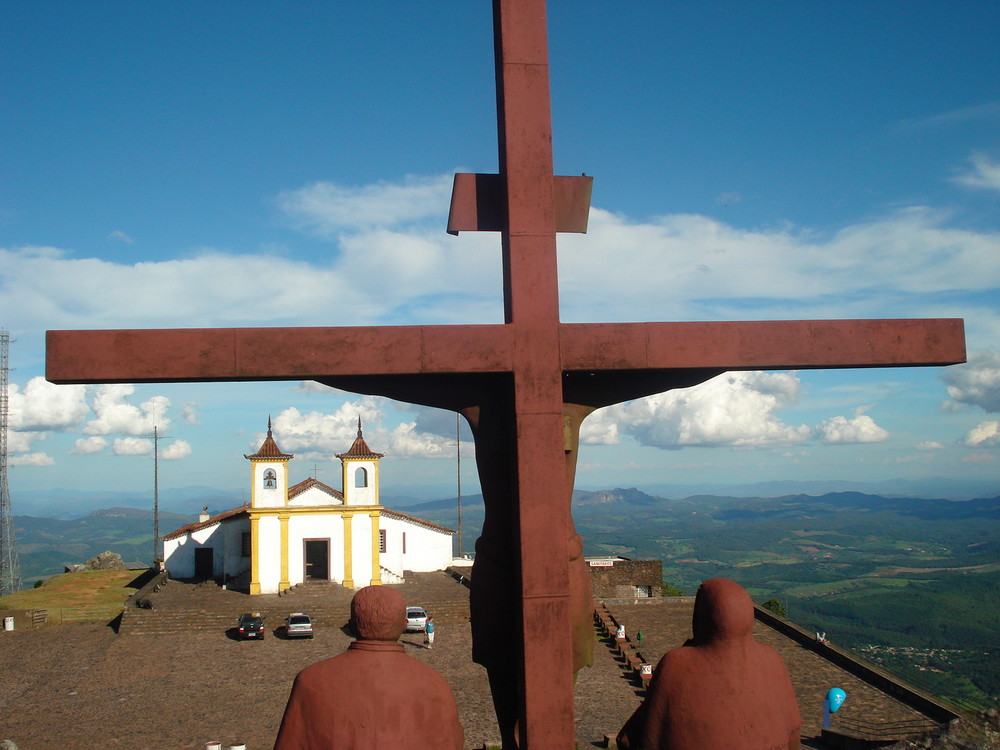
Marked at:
<point>911,695</point>
<point>25,618</point>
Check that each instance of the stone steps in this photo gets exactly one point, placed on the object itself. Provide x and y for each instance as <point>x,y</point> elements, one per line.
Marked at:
<point>181,607</point>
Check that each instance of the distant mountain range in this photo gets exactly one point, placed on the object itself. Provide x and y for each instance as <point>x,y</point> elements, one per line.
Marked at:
<point>71,503</point>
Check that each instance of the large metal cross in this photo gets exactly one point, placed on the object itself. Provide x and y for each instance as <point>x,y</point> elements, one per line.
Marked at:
<point>525,386</point>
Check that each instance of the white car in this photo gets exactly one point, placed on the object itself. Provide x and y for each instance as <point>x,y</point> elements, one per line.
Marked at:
<point>416,619</point>
<point>298,625</point>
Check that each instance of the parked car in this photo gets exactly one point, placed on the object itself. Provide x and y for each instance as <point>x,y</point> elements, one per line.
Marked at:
<point>298,625</point>
<point>416,619</point>
<point>250,625</point>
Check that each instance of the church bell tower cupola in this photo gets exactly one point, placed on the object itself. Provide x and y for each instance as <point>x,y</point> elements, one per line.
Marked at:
<point>360,472</point>
<point>269,474</point>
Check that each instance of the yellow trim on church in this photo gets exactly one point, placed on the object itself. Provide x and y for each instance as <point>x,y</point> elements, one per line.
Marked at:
<point>376,549</point>
<point>283,521</point>
<point>348,549</point>
<point>254,553</point>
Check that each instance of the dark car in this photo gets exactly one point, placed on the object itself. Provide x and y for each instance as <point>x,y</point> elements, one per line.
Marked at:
<point>250,626</point>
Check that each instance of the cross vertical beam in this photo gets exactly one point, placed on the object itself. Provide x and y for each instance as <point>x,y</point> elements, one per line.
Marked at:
<point>531,306</point>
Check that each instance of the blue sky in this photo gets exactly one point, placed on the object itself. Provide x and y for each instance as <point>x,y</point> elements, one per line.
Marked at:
<point>240,164</point>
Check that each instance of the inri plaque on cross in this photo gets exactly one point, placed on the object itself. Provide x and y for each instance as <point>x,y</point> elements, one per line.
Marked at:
<point>525,385</point>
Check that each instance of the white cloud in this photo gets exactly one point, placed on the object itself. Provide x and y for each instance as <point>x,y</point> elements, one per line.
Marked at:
<point>31,459</point>
<point>977,382</point>
<point>189,413</point>
<point>983,435</point>
<point>20,442</point>
<point>325,209</point>
<point>87,446</point>
<point>132,446</point>
<point>684,267</point>
<point>406,441</point>
<point>116,416</point>
<point>860,429</point>
<point>930,445</point>
<point>176,450</point>
<point>121,237</point>
<point>736,409</point>
<point>984,174</point>
<point>329,433</point>
<point>44,406</point>
<point>389,264</point>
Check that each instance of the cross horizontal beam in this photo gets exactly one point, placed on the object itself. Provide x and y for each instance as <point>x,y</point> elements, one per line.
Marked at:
<point>235,354</point>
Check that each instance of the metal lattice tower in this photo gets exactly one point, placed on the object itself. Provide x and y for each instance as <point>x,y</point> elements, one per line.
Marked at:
<point>10,567</point>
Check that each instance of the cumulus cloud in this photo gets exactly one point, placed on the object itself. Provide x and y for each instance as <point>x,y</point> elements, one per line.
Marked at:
<point>859,429</point>
<point>189,413</point>
<point>736,409</point>
<point>673,267</point>
<point>930,445</point>
<point>327,433</point>
<point>682,267</point>
<point>984,435</point>
<point>976,383</point>
<point>21,442</point>
<point>116,416</point>
<point>131,446</point>
<point>176,450</point>
<point>87,446</point>
<point>31,459</point>
<point>319,434</point>
<point>984,174</point>
<point>44,406</point>
<point>325,208</point>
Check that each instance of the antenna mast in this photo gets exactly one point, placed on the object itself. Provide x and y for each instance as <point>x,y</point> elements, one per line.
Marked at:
<point>10,566</point>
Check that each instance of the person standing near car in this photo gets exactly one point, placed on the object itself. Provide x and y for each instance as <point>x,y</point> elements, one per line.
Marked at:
<point>429,631</point>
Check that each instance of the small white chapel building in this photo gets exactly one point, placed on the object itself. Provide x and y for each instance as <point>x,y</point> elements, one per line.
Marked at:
<point>290,534</point>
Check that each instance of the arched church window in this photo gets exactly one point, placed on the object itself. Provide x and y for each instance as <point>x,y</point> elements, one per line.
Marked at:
<point>270,480</point>
<point>361,478</point>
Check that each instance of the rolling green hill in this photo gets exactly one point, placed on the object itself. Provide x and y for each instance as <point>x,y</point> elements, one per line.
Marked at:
<point>907,582</point>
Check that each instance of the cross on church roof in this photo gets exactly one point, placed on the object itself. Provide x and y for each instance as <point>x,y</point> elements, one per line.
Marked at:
<point>525,385</point>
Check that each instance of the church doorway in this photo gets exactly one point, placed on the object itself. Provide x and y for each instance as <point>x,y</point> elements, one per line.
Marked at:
<point>317,557</point>
<point>204,562</point>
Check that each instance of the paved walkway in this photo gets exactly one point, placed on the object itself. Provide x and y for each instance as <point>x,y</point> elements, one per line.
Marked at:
<point>666,624</point>
<point>173,679</point>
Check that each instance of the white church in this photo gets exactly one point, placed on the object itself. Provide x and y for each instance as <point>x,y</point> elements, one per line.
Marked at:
<point>289,534</point>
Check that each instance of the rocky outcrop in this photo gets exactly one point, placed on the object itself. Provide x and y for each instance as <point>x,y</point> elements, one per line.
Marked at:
<point>105,561</point>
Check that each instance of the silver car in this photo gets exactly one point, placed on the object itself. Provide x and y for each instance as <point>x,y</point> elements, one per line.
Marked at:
<point>298,625</point>
<point>416,620</point>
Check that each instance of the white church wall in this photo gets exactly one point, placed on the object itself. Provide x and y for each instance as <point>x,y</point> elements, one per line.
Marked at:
<point>315,527</point>
<point>392,558</point>
<point>225,540</point>
<point>361,549</point>
<point>267,492</point>
<point>427,549</point>
<point>360,489</point>
<point>314,497</point>
<point>269,551</point>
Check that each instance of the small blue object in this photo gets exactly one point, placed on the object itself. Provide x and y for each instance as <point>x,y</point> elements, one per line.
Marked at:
<point>835,698</point>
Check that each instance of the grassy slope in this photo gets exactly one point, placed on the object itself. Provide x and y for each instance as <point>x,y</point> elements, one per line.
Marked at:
<point>91,596</point>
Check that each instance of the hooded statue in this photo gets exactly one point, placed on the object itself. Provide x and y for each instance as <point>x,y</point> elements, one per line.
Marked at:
<point>373,695</point>
<point>721,689</point>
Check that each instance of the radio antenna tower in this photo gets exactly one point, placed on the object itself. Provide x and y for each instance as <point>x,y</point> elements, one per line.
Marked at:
<point>10,567</point>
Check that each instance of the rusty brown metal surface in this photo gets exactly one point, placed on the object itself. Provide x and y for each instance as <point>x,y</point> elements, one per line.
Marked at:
<point>524,386</point>
<point>477,203</point>
<point>218,354</point>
